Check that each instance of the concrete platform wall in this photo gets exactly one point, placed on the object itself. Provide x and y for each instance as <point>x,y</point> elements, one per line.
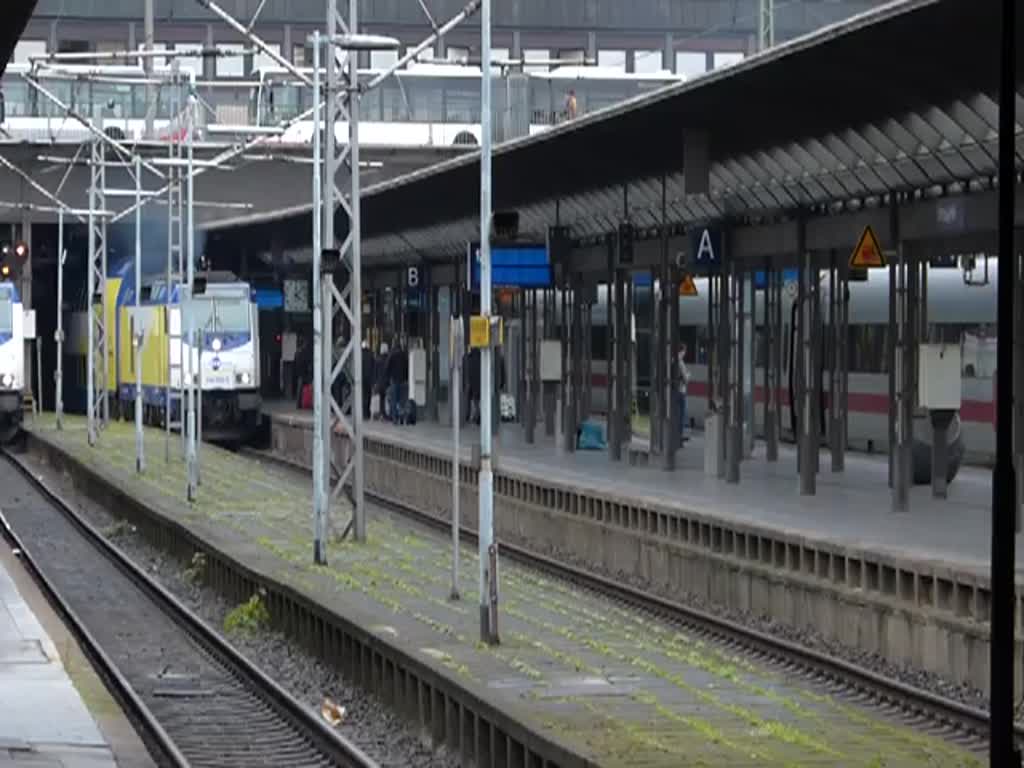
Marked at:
<point>924,615</point>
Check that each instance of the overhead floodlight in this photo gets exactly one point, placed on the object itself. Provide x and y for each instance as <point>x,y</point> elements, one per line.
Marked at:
<point>361,42</point>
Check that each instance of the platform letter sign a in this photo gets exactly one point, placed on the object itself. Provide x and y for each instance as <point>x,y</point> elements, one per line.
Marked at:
<point>706,247</point>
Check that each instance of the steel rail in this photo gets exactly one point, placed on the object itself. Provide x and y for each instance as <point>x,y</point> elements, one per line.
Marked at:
<point>336,747</point>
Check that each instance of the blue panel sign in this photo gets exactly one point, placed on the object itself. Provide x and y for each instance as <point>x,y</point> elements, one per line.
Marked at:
<point>515,266</point>
<point>269,298</point>
<point>788,276</point>
<point>643,279</point>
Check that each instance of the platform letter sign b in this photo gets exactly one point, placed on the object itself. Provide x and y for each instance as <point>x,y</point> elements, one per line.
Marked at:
<point>414,277</point>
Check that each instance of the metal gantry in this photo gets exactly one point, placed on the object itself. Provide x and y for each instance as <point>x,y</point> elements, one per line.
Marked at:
<point>329,254</point>
<point>97,403</point>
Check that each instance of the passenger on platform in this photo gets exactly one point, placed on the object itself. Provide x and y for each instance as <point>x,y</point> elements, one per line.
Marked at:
<point>472,369</point>
<point>367,363</point>
<point>398,376</point>
<point>380,379</point>
<point>570,105</point>
<point>684,379</point>
<point>303,369</point>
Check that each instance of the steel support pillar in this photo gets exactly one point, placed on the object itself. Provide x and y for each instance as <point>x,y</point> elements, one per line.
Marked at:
<point>772,335</point>
<point>724,366</point>
<point>904,398</point>
<point>807,403</point>
<point>97,407</point>
<point>588,355</point>
<point>58,375</point>
<point>616,299</point>
<point>138,330</point>
<point>672,436</point>
<point>892,344</point>
<point>734,391</point>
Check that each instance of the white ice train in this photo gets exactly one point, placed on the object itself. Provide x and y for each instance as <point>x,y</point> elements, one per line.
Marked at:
<point>958,313</point>
<point>12,360</point>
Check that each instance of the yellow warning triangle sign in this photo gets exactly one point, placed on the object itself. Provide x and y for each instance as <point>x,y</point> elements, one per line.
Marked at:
<point>687,287</point>
<point>868,252</point>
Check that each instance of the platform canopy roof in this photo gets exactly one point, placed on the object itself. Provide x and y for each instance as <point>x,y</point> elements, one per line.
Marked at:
<point>902,98</point>
<point>13,18</point>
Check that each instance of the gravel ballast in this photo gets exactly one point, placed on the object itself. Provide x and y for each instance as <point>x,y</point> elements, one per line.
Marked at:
<point>368,722</point>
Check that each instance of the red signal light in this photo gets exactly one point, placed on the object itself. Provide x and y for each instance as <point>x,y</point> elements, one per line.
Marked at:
<point>21,250</point>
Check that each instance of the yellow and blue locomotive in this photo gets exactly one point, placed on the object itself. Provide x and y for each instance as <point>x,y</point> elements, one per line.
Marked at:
<point>223,358</point>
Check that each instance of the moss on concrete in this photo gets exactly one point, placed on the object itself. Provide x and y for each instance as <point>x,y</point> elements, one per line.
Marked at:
<point>607,680</point>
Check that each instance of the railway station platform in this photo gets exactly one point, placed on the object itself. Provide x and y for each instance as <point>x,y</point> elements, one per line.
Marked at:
<point>912,587</point>
<point>45,720</point>
<point>578,679</point>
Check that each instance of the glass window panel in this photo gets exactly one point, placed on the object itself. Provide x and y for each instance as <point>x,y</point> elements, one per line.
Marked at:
<point>383,59</point>
<point>301,57</point>
<point>725,59</point>
<point>462,103</point>
<point>111,101</point>
<point>647,61</point>
<point>574,55</point>
<point>369,105</point>
<point>459,53</point>
<point>159,62</point>
<point>25,48</point>
<point>426,101</point>
<point>691,63</point>
<point>17,97</point>
<point>426,55</point>
<point>392,102</point>
<point>195,63</point>
<point>536,54</point>
<point>612,59</point>
<point>231,66</point>
<point>264,60</point>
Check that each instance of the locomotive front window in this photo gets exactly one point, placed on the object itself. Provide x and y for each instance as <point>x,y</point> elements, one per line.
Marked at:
<point>232,316</point>
<point>222,315</point>
<point>6,315</point>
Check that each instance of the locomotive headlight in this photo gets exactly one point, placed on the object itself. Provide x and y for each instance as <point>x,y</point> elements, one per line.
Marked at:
<point>7,380</point>
<point>216,344</point>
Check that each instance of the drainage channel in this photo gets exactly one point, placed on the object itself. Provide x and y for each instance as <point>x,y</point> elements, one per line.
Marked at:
<point>197,700</point>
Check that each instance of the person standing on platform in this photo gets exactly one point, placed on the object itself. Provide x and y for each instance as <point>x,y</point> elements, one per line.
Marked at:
<point>472,375</point>
<point>367,363</point>
<point>684,379</point>
<point>303,369</point>
<point>570,105</point>
<point>380,380</point>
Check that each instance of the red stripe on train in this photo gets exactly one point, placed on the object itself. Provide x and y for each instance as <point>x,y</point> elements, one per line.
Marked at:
<point>859,402</point>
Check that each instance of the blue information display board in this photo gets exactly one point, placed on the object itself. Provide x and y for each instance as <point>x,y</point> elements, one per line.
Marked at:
<point>515,266</point>
<point>788,276</point>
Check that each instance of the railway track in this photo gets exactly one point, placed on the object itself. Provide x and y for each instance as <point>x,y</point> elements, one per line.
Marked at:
<point>195,699</point>
<point>925,711</point>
